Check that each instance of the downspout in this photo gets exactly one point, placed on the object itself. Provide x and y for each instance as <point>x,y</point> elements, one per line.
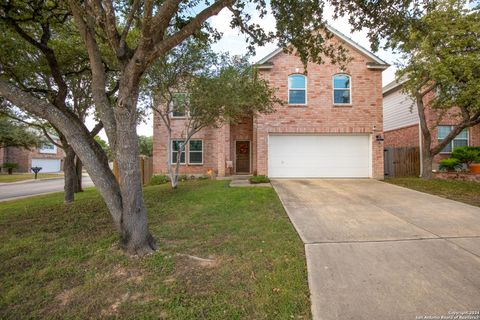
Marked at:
<point>420,148</point>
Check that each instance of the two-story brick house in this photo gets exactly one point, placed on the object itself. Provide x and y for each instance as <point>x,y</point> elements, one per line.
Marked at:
<point>331,125</point>
<point>402,124</point>
<point>47,156</point>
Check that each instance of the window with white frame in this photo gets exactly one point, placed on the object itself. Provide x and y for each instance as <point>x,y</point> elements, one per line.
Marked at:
<point>195,152</point>
<point>179,105</point>
<point>176,147</point>
<point>459,141</point>
<point>297,89</point>
<point>342,89</point>
<point>48,148</point>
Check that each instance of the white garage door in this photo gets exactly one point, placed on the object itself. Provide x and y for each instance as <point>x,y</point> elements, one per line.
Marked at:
<point>47,165</point>
<point>318,156</point>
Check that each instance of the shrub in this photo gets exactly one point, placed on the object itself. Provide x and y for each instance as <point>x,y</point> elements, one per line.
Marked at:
<point>10,166</point>
<point>259,179</point>
<point>159,179</point>
<point>182,177</point>
<point>204,177</point>
<point>450,164</point>
<point>467,154</point>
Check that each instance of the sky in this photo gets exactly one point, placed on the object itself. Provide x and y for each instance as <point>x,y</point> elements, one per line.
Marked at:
<point>234,43</point>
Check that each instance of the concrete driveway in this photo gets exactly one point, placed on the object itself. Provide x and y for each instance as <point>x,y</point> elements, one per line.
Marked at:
<point>379,251</point>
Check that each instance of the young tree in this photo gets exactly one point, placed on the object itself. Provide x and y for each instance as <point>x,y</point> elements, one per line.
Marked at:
<point>130,36</point>
<point>442,68</point>
<point>209,90</point>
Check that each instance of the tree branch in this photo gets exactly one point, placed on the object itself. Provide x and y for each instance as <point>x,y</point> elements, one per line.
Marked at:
<point>100,97</point>
<point>194,25</point>
<point>98,127</point>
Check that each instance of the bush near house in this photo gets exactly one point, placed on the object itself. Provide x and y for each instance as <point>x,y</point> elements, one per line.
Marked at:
<point>259,179</point>
<point>467,154</point>
<point>461,156</point>
<point>10,166</point>
<point>450,164</point>
<point>159,179</point>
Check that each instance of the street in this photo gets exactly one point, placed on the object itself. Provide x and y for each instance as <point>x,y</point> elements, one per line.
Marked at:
<point>10,191</point>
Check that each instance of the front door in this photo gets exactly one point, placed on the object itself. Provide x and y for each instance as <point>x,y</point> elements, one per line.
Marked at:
<point>242,150</point>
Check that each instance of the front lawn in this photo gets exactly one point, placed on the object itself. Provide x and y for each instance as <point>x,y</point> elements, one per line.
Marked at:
<point>224,253</point>
<point>463,191</point>
<point>27,176</point>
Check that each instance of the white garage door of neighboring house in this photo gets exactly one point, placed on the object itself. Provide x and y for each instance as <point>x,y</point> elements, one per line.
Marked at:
<point>319,156</point>
<point>47,165</point>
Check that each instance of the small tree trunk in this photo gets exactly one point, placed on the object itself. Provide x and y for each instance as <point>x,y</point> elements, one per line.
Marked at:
<point>427,160</point>
<point>78,172</point>
<point>69,175</point>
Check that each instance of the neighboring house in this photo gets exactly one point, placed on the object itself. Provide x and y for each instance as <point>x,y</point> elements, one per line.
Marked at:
<point>48,157</point>
<point>331,127</point>
<point>402,125</point>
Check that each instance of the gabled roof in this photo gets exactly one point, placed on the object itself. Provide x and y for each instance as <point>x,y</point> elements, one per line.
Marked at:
<point>378,63</point>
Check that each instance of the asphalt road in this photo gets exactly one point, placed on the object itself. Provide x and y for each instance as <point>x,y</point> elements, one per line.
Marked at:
<point>9,191</point>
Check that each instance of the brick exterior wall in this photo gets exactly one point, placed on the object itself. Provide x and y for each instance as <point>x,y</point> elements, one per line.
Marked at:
<point>320,116</point>
<point>409,136</point>
<point>402,137</point>
<point>24,157</point>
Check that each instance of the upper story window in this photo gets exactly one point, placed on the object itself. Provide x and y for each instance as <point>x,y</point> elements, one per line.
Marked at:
<point>48,148</point>
<point>459,141</point>
<point>342,89</point>
<point>297,89</point>
<point>179,105</point>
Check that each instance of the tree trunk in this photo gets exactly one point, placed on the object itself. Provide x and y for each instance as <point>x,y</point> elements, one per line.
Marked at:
<point>426,151</point>
<point>78,171</point>
<point>69,174</point>
<point>135,235</point>
<point>427,160</point>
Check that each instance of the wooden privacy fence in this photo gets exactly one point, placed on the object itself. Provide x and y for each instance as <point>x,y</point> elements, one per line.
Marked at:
<point>146,169</point>
<point>402,162</point>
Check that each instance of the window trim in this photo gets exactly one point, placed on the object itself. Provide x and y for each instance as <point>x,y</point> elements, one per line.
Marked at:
<point>185,116</point>
<point>306,89</point>
<point>196,163</point>
<point>172,151</point>
<point>350,89</point>
<point>451,142</point>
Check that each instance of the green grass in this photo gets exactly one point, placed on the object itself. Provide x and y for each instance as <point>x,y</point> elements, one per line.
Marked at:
<point>463,191</point>
<point>61,261</point>
<point>26,176</point>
